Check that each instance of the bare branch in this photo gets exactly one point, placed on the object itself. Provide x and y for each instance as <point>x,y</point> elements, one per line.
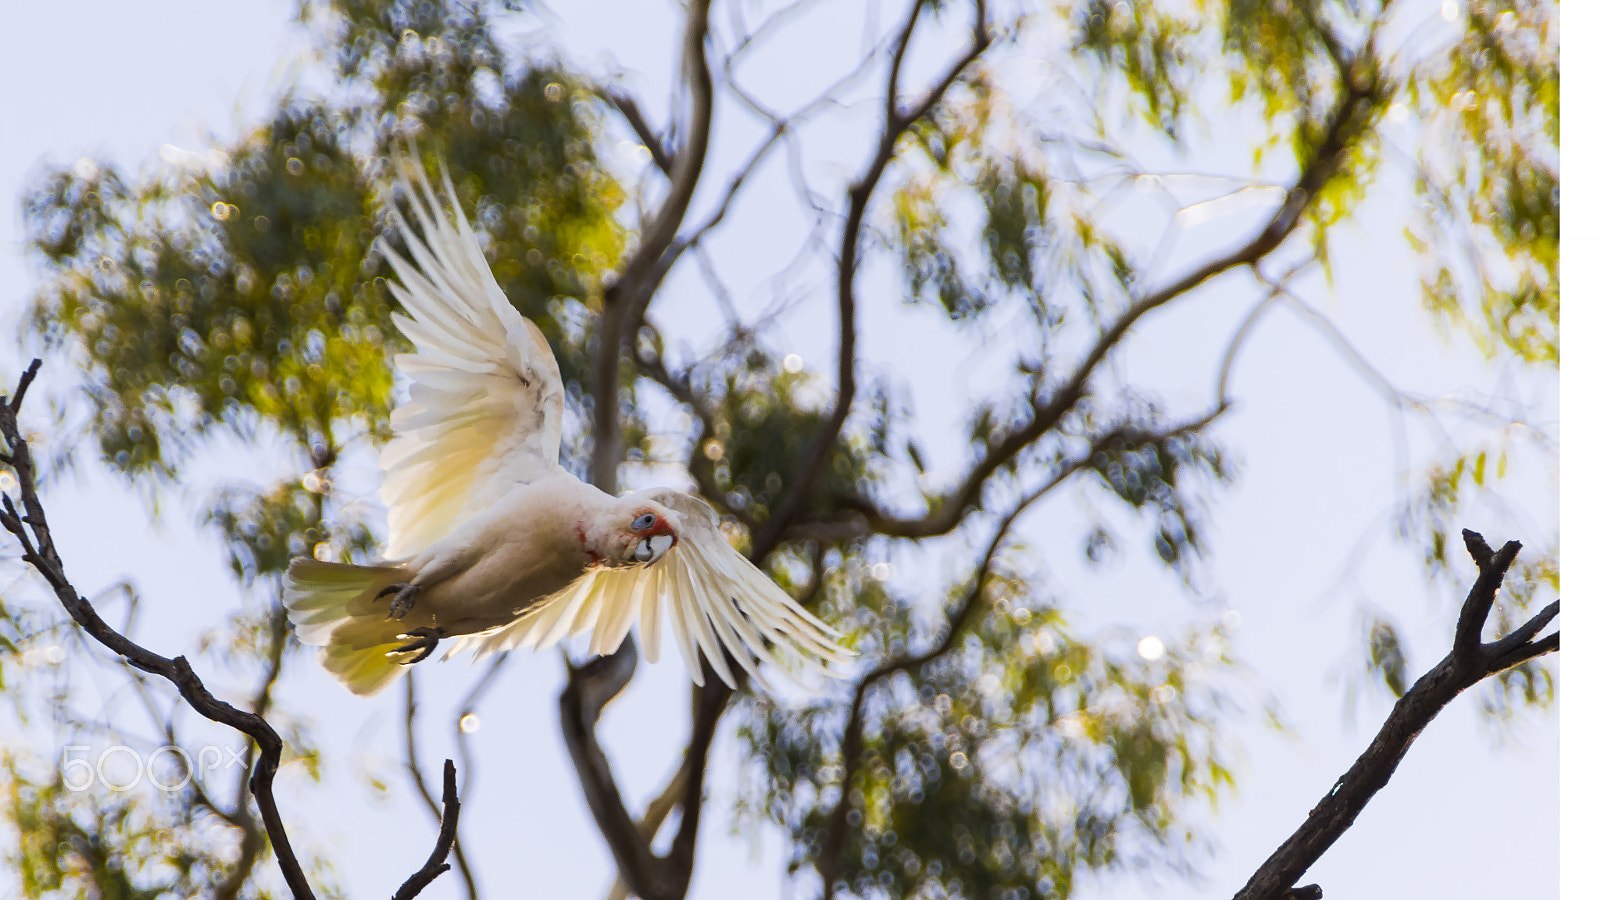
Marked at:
<point>902,43</point>
<point>624,104</point>
<point>1459,670</point>
<point>1522,636</point>
<point>1475,611</point>
<point>872,521</point>
<point>1251,319</point>
<point>32,531</point>
<point>436,866</point>
<point>1516,656</point>
<point>894,125</point>
<point>251,841</point>
<point>414,769</point>
<point>1343,126</point>
<point>23,384</point>
<point>589,688</point>
<point>629,295</point>
<point>781,127</point>
<point>1478,548</point>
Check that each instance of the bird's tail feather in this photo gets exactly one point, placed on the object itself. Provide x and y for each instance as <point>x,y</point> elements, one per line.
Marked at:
<point>336,607</point>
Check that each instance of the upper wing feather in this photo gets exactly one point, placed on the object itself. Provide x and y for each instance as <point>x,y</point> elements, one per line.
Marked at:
<point>713,598</point>
<point>486,397</point>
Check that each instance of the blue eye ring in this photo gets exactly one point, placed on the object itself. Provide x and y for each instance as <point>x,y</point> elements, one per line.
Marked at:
<point>648,520</point>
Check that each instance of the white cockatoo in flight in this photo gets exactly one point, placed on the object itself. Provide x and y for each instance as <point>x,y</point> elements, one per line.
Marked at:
<point>490,540</point>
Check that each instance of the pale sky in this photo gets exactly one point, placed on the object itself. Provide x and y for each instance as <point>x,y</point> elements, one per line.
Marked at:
<point>122,80</point>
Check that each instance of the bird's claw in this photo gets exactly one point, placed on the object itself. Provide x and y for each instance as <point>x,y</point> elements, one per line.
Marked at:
<point>405,597</point>
<point>427,640</point>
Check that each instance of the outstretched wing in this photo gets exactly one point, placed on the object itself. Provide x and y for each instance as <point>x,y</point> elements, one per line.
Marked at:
<point>485,405</point>
<point>710,594</point>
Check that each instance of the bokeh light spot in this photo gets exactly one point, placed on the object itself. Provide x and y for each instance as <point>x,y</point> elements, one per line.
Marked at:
<point>1151,648</point>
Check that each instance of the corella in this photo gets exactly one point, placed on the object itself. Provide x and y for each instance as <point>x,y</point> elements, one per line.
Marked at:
<point>490,540</point>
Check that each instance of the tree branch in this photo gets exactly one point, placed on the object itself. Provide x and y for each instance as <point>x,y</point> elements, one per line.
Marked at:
<point>655,815</point>
<point>630,294</point>
<point>832,841</point>
<point>1524,635</point>
<point>624,104</point>
<point>782,126</point>
<point>590,687</point>
<point>251,841</point>
<point>1492,570</point>
<point>593,685</point>
<point>414,768</point>
<point>32,531</point>
<point>895,124</point>
<point>1344,125</point>
<point>1460,669</point>
<point>39,551</point>
<point>436,866</point>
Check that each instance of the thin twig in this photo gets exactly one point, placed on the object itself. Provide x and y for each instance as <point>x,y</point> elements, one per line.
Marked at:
<point>435,865</point>
<point>624,104</point>
<point>414,768</point>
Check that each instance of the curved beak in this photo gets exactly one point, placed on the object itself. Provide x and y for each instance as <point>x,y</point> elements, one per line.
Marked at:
<point>653,548</point>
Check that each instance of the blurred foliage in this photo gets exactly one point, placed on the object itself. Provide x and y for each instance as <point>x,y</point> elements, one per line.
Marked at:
<point>236,298</point>
<point>245,292</point>
<point>1386,655</point>
<point>1023,756</point>
<point>1158,479</point>
<point>1489,228</point>
<point>266,529</point>
<point>758,409</point>
<point>73,844</point>
<point>236,292</point>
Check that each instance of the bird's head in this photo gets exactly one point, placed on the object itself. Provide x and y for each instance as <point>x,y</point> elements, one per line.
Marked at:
<point>640,532</point>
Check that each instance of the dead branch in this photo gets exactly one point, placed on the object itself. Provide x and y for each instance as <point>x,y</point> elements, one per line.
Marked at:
<point>414,769</point>
<point>435,865</point>
<point>32,530</point>
<point>1468,662</point>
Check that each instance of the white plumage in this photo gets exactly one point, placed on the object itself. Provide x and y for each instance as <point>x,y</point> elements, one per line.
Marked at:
<point>490,540</point>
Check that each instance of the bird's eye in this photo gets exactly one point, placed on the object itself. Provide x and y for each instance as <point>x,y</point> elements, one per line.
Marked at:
<point>648,520</point>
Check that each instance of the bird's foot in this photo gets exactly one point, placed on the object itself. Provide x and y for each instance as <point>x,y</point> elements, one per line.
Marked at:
<point>427,641</point>
<point>405,597</point>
